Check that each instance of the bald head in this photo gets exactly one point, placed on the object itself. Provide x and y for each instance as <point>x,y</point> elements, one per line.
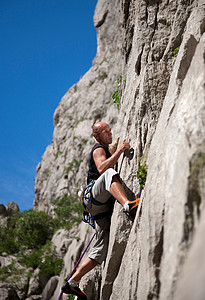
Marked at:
<point>98,127</point>
<point>102,133</point>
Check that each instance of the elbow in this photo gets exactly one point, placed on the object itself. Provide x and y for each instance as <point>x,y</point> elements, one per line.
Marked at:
<point>102,170</point>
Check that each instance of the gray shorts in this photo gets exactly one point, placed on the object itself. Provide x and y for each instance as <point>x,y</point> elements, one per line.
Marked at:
<point>101,192</point>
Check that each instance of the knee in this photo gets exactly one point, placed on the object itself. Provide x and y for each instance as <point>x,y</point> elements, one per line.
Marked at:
<point>111,171</point>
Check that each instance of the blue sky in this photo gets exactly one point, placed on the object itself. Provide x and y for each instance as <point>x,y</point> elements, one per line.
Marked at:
<point>46,46</point>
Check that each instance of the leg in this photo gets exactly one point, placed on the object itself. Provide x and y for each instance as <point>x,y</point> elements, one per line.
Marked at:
<point>109,184</point>
<point>117,191</point>
<point>87,265</point>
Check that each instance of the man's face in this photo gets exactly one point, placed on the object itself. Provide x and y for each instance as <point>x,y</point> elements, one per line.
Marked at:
<point>105,135</point>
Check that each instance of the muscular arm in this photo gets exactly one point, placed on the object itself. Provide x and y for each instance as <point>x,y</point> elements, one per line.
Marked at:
<point>102,163</point>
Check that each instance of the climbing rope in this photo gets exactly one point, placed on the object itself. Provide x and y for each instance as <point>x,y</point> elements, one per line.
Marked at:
<point>73,271</point>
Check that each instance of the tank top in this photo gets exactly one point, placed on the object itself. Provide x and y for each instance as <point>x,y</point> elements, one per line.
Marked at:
<point>93,173</point>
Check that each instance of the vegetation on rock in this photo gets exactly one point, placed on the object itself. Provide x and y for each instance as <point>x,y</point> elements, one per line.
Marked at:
<point>116,95</point>
<point>175,52</point>
<point>68,211</point>
<point>142,175</point>
<point>27,240</point>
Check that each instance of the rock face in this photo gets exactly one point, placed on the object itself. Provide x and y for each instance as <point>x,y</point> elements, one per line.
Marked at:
<point>7,292</point>
<point>7,211</point>
<point>158,47</point>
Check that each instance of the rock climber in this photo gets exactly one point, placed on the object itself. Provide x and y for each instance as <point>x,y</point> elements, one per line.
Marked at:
<point>106,184</point>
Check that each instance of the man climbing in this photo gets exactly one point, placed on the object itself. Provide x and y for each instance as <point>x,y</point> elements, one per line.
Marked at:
<point>106,184</point>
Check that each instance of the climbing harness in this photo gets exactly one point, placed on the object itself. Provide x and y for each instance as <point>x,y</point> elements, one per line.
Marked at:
<point>88,198</point>
<point>79,260</point>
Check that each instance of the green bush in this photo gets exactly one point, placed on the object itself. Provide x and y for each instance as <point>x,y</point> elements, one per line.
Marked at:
<point>8,242</point>
<point>34,229</point>
<point>71,297</point>
<point>44,258</point>
<point>117,93</point>
<point>28,236</point>
<point>27,230</point>
<point>68,211</point>
<point>176,51</point>
<point>51,265</point>
<point>31,229</point>
<point>31,259</point>
<point>142,175</point>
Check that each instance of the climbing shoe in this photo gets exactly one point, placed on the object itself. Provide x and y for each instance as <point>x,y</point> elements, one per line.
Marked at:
<point>133,205</point>
<point>68,289</point>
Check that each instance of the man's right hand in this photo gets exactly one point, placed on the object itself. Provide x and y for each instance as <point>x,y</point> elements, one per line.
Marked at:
<point>123,146</point>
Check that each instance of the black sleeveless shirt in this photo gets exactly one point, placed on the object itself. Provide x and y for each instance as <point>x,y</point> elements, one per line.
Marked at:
<point>93,173</point>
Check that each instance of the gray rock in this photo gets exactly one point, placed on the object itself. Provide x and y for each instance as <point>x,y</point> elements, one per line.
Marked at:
<point>12,207</point>
<point>191,282</point>
<point>34,283</point>
<point>50,288</point>
<point>35,297</point>
<point>7,211</point>
<point>3,211</point>
<point>7,292</point>
<point>171,207</point>
<point>6,260</point>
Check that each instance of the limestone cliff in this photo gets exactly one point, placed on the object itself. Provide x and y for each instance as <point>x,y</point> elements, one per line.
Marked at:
<point>158,47</point>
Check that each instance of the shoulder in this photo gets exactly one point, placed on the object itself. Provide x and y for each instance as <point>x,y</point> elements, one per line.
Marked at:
<point>98,148</point>
<point>101,150</point>
<point>99,155</point>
